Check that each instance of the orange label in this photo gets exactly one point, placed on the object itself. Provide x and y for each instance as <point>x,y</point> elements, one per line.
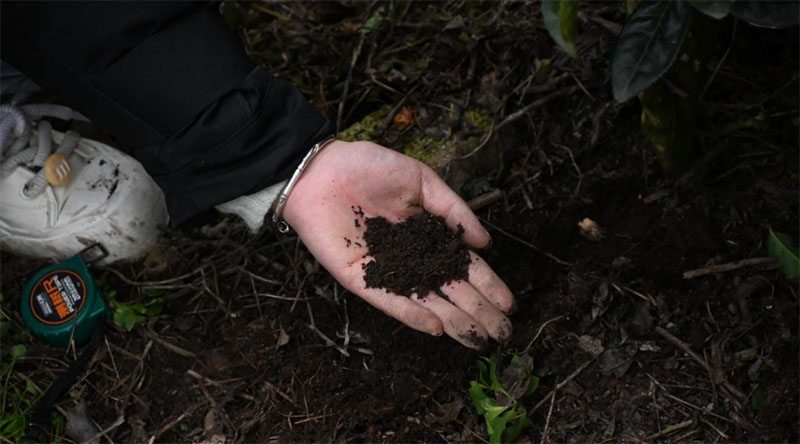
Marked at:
<point>58,297</point>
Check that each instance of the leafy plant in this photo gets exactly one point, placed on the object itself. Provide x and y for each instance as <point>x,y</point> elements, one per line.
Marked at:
<point>779,246</point>
<point>129,316</point>
<point>559,19</point>
<point>498,398</point>
<point>672,40</point>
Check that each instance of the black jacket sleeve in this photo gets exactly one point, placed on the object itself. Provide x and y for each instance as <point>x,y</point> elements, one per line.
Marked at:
<point>172,81</point>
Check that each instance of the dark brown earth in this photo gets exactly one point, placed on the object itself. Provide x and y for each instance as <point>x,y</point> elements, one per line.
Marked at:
<point>256,342</point>
<point>416,256</point>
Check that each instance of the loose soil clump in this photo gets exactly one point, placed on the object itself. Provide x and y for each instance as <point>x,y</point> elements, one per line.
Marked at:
<point>418,255</point>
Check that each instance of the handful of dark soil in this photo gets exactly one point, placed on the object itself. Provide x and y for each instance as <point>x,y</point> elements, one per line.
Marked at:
<point>418,255</point>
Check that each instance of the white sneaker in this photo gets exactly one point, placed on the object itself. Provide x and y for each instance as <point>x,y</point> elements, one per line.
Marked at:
<point>51,207</point>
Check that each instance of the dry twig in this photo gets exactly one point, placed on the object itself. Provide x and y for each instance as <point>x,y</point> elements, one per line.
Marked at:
<point>562,384</point>
<point>549,414</point>
<point>527,244</point>
<point>671,429</point>
<point>721,268</point>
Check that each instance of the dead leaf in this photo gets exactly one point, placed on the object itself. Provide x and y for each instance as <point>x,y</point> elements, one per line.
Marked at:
<point>445,413</point>
<point>79,425</point>
<point>283,338</point>
<point>615,361</point>
<point>404,118</point>
<point>210,421</point>
<point>514,380</point>
<point>216,439</point>
<point>590,345</point>
<point>591,230</point>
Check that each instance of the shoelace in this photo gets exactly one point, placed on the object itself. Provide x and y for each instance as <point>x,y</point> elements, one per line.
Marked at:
<point>19,147</point>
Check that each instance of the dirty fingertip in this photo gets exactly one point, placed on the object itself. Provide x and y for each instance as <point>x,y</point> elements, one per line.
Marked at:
<point>474,340</point>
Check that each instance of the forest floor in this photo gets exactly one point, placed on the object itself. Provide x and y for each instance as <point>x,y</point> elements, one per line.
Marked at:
<point>255,342</point>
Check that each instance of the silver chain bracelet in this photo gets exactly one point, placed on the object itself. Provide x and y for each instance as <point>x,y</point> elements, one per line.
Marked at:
<point>283,227</point>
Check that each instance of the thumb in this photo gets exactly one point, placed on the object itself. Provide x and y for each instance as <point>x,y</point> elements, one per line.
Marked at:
<point>440,200</point>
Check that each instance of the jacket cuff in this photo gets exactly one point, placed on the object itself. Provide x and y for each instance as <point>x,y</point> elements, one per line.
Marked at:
<point>253,208</point>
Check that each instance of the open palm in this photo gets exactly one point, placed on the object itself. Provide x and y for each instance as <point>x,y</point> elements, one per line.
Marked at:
<point>346,176</point>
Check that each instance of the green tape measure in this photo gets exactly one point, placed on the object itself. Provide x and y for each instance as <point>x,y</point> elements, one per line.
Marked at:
<point>62,302</point>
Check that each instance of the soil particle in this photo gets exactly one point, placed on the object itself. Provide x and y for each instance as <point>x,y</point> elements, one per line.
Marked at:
<point>418,255</point>
<point>473,337</point>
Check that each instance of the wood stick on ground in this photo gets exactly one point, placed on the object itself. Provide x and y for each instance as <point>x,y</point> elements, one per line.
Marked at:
<point>562,384</point>
<point>152,283</point>
<point>527,244</point>
<point>669,430</point>
<point>169,346</point>
<point>283,395</point>
<point>530,344</point>
<point>173,423</point>
<point>547,422</point>
<point>486,199</point>
<point>574,165</point>
<point>683,346</point>
<point>96,438</point>
<point>340,114</point>
<point>728,267</point>
<point>536,104</point>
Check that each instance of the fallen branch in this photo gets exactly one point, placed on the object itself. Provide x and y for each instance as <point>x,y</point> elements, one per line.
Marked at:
<point>527,244</point>
<point>484,200</point>
<point>562,384</point>
<point>729,267</point>
<point>536,104</point>
<point>96,438</point>
<point>169,346</point>
<point>547,422</point>
<point>683,346</point>
<point>669,430</point>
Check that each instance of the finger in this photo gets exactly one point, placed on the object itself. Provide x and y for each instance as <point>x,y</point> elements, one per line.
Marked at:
<point>403,309</point>
<point>438,199</point>
<point>469,300</point>
<point>490,285</point>
<point>457,324</point>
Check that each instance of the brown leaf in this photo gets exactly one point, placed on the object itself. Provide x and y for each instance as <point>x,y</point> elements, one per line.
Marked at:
<point>404,118</point>
<point>283,338</point>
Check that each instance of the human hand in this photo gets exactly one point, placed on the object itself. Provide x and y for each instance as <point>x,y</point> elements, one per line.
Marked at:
<point>385,183</point>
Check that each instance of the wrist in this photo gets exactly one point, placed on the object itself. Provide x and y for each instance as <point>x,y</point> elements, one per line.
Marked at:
<point>280,210</point>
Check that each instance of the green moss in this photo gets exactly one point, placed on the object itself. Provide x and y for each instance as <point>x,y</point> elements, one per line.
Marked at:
<point>364,129</point>
<point>478,118</point>
<point>436,153</point>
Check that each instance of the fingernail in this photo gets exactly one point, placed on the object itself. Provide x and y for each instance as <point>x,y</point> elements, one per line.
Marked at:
<point>513,308</point>
<point>489,245</point>
<point>439,333</point>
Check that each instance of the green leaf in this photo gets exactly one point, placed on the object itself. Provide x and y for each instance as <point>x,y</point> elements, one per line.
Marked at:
<point>779,246</point>
<point>126,317</point>
<point>647,46</point>
<point>759,399</point>
<point>767,13</point>
<point>516,427</point>
<point>373,21</point>
<point>29,388</point>
<point>533,386</point>
<point>17,351</point>
<point>496,386</point>
<point>152,308</point>
<point>717,9</point>
<point>483,372</point>
<point>559,19</point>
<point>498,426</point>
<point>478,397</point>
